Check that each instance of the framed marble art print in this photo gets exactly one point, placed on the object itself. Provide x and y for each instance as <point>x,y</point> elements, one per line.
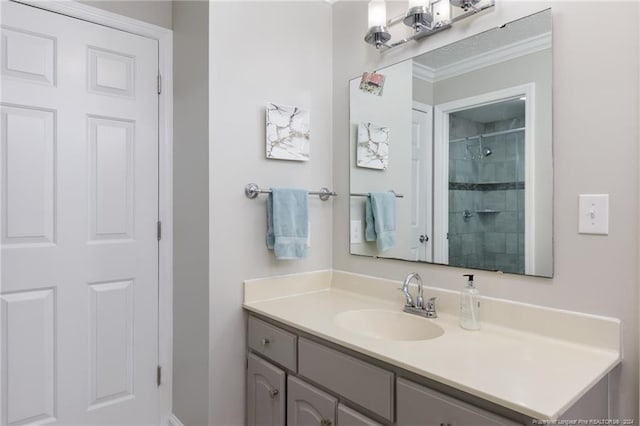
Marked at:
<point>288,132</point>
<point>372,150</point>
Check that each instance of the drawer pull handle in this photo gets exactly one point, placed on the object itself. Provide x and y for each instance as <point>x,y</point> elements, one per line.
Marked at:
<point>265,342</point>
<point>325,422</point>
<point>273,393</point>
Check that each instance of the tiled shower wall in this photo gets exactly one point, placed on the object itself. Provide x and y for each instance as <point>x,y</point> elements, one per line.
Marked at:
<point>486,196</point>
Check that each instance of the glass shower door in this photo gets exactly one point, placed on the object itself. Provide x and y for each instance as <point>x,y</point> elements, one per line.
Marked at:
<point>486,188</point>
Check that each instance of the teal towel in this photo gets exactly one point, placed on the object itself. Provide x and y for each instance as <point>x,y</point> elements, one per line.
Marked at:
<point>287,223</point>
<point>380,219</point>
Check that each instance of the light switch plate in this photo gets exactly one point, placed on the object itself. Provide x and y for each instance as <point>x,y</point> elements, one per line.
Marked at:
<point>593,213</point>
<point>356,232</point>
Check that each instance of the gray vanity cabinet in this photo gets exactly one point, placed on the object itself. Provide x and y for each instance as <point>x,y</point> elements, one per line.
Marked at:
<point>294,380</point>
<point>349,417</point>
<point>309,406</point>
<point>266,393</point>
<point>418,405</point>
<point>358,381</point>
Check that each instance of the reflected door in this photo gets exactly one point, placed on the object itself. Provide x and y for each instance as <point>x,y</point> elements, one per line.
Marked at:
<point>79,186</point>
<point>420,242</point>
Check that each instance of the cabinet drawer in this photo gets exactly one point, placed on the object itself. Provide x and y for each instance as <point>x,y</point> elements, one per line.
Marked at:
<point>349,417</point>
<point>272,342</point>
<point>307,405</point>
<point>420,405</point>
<point>364,384</point>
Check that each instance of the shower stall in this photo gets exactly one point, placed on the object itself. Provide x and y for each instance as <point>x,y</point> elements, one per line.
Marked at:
<point>486,188</point>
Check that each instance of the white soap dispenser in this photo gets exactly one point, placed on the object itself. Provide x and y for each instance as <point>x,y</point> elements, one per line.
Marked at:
<point>470,306</point>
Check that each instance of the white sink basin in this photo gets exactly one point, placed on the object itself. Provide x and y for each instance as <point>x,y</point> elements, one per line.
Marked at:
<point>388,325</point>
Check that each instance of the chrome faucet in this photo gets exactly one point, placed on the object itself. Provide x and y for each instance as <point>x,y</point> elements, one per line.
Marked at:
<point>405,290</point>
<point>430,308</point>
<point>419,308</point>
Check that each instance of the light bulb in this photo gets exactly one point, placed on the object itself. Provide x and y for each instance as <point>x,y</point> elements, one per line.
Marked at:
<point>416,3</point>
<point>377,13</point>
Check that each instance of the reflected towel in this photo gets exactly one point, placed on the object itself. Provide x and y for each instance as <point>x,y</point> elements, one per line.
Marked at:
<point>287,223</point>
<point>369,225</point>
<point>380,211</point>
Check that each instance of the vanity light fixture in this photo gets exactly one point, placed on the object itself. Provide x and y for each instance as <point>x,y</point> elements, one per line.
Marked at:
<point>420,16</point>
<point>378,33</point>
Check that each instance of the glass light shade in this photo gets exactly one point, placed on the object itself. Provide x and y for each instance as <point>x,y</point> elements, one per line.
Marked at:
<point>415,3</point>
<point>441,11</point>
<point>377,13</point>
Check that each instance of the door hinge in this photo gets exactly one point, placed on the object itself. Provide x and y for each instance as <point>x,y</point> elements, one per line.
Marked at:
<point>159,376</point>
<point>447,235</point>
<point>159,84</point>
<point>159,230</point>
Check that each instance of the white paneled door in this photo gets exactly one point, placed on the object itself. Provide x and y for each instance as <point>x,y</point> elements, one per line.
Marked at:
<point>79,186</point>
<point>420,241</point>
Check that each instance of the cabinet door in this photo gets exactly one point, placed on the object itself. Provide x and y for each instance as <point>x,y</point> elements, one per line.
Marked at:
<point>265,393</point>
<point>418,405</point>
<point>309,406</point>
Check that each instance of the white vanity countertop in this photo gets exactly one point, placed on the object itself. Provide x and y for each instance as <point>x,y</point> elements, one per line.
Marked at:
<point>522,369</point>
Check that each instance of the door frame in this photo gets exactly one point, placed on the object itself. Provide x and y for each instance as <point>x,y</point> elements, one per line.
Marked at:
<point>164,36</point>
<point>441,168</point>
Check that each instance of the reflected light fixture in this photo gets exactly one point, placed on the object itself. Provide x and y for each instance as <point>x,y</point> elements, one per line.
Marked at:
<point>419,16</point>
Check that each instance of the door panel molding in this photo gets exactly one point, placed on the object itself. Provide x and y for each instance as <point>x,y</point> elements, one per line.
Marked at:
<point>164,37</point>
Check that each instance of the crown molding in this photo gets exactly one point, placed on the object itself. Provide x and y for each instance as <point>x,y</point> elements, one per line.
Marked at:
<point>492,57</point>
<point>423,72</point>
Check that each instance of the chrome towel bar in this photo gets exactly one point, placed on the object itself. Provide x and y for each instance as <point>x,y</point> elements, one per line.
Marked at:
<point>359,194</point>
<point>252,190</point>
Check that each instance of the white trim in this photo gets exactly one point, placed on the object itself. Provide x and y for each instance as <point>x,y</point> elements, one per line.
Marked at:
<point>165,214</point>
<point>441,184</point>
<point>165,169</point>
<point>441,168</point>
<point>423,72</point>
<point>420,106</point>
<point>501,54</point>
<point>99,16</point>
<point>492,57</point>
<point>174,421</point>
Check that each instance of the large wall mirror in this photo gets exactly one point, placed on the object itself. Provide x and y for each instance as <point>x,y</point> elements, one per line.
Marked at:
<point>462,135</point>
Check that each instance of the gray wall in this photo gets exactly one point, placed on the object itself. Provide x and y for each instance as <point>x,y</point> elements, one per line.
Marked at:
<point>191,212</point>
<point>260,52</point>
<point>157,12</point>
<point>595,103</point>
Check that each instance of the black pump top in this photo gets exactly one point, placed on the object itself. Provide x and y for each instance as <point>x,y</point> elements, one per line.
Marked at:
<point>470,277</point>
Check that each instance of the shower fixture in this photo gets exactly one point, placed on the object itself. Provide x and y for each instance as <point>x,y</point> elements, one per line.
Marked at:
<point>425,17</point>
<point>477,152</point>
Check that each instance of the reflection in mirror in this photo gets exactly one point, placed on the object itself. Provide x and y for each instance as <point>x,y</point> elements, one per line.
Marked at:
<point>486,182</point>
<point>466,133</point>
